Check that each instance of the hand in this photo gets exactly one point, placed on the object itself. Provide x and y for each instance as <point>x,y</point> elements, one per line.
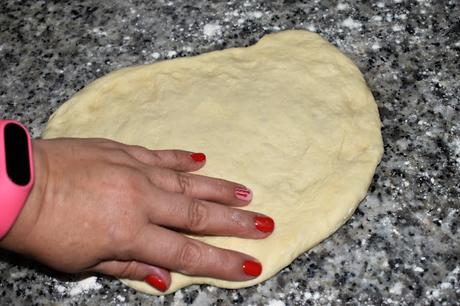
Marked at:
<point>101,206</point>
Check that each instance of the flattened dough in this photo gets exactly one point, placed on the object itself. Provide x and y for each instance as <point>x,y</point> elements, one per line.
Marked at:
<point>290,117</point>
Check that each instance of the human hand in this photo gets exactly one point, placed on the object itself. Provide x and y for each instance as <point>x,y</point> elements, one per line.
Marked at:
<point>101,206</point>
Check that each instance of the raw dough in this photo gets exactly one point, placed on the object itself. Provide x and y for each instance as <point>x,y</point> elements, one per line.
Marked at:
<point>290,116</point>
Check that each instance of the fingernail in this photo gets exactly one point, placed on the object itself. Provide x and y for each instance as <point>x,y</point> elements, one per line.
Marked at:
<point>198,157</point>
<point>264,224</point>
<point>252,268</point>
<point>155,282</point>
<point>243,194</point>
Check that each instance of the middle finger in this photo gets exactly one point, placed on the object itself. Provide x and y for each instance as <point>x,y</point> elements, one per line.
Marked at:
<point>203,217</point>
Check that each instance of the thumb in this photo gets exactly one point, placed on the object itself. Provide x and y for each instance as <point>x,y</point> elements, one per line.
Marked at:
<point>156,277</point>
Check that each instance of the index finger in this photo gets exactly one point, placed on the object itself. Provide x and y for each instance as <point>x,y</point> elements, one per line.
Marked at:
<point>178,160</point>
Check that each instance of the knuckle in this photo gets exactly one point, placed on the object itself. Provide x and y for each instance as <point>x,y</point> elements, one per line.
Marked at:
<point>156,157</point>
<point>190,258</point>
<point>223,187</point>
<point>137,148</point>
<point>127,239</point>
<point>197,216</point>
<point>185,183</point>
<point>133,183</point>
<point>118,155</point>
<point>240,223</point>
<point>177,155</point>
<point>106,143</point>
<point>119,235</point>
<point>124,240</point>
<point>145,155</point>
<point>121,153</point>
<point>129,270</point>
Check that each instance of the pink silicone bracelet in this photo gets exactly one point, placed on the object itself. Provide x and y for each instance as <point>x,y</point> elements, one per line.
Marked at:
<point>12,196</point>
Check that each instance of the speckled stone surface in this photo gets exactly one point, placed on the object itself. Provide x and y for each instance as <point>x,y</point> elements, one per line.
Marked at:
<point>402,247</point>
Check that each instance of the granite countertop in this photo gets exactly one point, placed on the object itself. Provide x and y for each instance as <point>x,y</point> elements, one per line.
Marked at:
<point>402,246</point>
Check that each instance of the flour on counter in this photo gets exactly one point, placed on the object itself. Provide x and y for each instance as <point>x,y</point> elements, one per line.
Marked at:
<point>202,299</point>
<point>256,14</point>
<point>61,289</point>
<point>178,298</point>
<point>351,23</point>
<point>171,54</point>
<point>456,148</point>
<point>18,275</point>
<point>212,29</point>
<point>276,303</point>
<point>375,46</point>
<point>342,6</point>
<point>83,286</point>
<point>396,288</point>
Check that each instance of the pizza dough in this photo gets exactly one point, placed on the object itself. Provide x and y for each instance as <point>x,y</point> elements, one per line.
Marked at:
<point>290,117</point>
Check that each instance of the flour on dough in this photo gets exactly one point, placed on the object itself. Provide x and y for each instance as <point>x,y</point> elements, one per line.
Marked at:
<point>290,117</point>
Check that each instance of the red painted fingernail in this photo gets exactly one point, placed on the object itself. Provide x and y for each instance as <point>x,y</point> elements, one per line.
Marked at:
<point>198,157</point>
<point>155,282</point>
<point>243,194</point>
<point>252,268</point>
<point>264,224</point>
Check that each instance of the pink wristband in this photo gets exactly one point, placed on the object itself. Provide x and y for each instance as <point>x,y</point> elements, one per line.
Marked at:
<point>16,172</point>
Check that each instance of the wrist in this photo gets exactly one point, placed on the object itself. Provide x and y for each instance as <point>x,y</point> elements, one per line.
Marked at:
<point>16,172</point>
<point>17,236</point>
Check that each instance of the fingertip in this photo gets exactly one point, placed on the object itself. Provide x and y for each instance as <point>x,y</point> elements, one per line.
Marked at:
<point>159,279</point>
<point>198,157</point>
<point>179,160</point>
<point>252,268</point>
<point>156,282</point>
<point>264,224</point>
<point>198,160</point>
<point>244,194</point>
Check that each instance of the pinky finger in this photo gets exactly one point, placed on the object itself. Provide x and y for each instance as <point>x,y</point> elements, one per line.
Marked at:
<point>156,277</point>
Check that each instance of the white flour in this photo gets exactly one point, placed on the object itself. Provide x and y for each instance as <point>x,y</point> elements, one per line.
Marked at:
<point>83,286</point>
